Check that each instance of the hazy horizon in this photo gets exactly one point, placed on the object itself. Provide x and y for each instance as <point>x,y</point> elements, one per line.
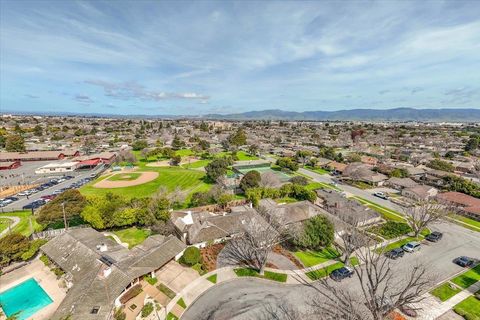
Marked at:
<point>195,58</point>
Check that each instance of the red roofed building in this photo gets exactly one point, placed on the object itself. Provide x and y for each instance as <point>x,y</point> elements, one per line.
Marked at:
<point>468,205</point>
<point>9,165</point>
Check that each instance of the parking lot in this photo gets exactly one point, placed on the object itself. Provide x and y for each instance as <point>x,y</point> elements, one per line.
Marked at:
<point>77,177</point>
<point>245,298</point>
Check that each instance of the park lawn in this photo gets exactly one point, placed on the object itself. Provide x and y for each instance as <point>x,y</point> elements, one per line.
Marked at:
<point>468,278</point>
<point>184,152</point>
<point>23,227</point>
<point>243,156</point>
<point>169,177</point>
<point>133,236</point>
<point>247,272</point>
<point>469,308</point>
<point>317,170</point>
<point>312,258</point>
<point>4,223</point>
<point>396,244</point>
<point>141,159</point>
<point>196,164</point>
<point>444,291</point>
<point>124,176</point>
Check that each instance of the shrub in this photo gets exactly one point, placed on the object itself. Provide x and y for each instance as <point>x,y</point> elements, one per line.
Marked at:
<point>151,280</point>
<point>317,233</point>
<point>45,260</point>
<point>391,229</point>
<point>147,309</point>
<point>131,293</point>
<point>300,180</point>
<point>250,180</point>
<point>191,256</point>
<point>119,314</point>
<point>34,247</point>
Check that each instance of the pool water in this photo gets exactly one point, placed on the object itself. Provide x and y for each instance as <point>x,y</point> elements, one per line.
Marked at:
<point>24,300</point>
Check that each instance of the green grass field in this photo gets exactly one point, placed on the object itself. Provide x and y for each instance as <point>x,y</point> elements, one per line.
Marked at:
<point>133,236</point>
<point>243,156</point>
<point>322,273</point>
<point>312,258</point>
<point>4,223</point>
<point>444,291</point>
<point>469,308</point>
<point>124,176</point>
<point>169,177</point>
<point>23,226</point>
<point>468,278</point>
<point>184,152</point>
<point>196,164</point>
<point>466,222</point>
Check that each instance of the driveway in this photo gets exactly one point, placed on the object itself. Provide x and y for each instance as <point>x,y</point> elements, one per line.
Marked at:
<point>176,276</point>
<point>244,298</point>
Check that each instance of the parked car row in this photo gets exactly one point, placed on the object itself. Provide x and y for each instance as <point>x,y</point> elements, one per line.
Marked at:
<point>412,246</point>
<point>6,201</point>
<point>44,199</point>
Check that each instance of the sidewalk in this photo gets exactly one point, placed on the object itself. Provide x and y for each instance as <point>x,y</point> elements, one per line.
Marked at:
<point>432,308</point>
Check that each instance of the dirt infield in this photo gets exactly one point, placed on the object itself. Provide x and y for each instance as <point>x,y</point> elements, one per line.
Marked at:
<point>143,178</point>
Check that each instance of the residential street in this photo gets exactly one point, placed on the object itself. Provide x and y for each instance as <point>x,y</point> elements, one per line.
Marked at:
<point>245,298</point>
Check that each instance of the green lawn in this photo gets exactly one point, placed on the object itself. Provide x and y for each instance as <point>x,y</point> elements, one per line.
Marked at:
<point>246,272</point>
<point>181,303</point>
<point>317,170</point>
<point>386,213</point>
<point>467,222</point>
<point>315,185</point>
<point>312,258</point>
<point>469,308</point>
<point>212,278</point>
<point>133,236</point>
<point>321,273</point>
<point>124,176</point>
<point>23,226</point>
<point>196,164</point>
<point>468,278</point>
<point>397,244</point>
<point>243,156</point>
<point>4,223</point>
<point>286,200</point>
<point>444,291</point>
<point>171,316</point>
<point>169,177</point>
<point>184,152</point>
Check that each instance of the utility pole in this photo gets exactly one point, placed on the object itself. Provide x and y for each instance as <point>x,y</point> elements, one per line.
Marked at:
<point>64,216</point>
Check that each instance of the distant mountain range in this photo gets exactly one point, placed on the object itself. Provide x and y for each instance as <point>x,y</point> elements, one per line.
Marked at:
<point>398,114</point>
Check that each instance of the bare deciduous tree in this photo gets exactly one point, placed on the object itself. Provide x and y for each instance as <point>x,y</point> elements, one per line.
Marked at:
<point>426,213</point>
<point>260,233</point>
<point>381,289</point>
<point>269,180</point>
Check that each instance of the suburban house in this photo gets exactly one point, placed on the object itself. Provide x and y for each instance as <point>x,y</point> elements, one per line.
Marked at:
<point>291,213</point>
<point>420,192</point>
<point>347,210</point>
<point>38,155</point>
<point>466,205</point>
<point>98,271</point>
<point>336,167</point>
<point>371,161</point>
<point>358,171</point>
<point>200,228</point>
<point>58,167</point>
<point>400,183</point>
<point>9,165</point>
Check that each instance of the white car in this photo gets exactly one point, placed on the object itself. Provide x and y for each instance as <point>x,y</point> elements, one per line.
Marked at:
<point>411,246</point>
<point>22,194</point>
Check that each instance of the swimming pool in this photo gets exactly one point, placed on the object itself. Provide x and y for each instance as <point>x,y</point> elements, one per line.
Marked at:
<point>25,299</point>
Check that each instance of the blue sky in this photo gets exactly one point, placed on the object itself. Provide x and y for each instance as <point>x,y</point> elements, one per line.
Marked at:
<point>153,57</point>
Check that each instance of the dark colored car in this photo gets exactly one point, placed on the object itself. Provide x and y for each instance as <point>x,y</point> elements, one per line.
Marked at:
<point>464,261</point>
<point>32,205</point>
<point>11,198</point>
<point>342,273</point>
<point>434,236</point>
<point>395,253</point>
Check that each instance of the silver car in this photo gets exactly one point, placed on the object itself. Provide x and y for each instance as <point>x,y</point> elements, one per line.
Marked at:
<point>411,246</point>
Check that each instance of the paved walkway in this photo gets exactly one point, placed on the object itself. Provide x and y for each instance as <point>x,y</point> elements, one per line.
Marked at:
<point>432,308</point>
<point>116,238</point>
<point>15,220</point>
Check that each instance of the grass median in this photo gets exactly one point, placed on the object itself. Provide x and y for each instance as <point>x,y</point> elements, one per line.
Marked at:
<point>468,278</point>
<point>445,291</point>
